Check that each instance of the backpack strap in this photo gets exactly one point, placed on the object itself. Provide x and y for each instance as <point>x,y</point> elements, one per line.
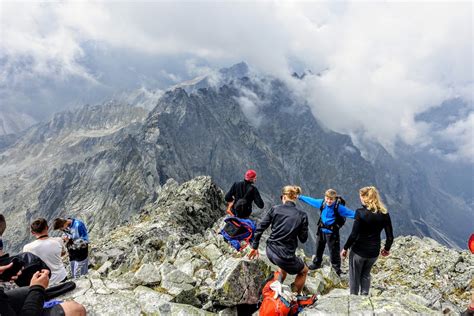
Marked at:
<point>333,226</point>
<point>247,191</point>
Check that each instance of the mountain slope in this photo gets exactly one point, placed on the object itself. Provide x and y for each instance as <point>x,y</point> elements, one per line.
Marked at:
<point>105,163</point>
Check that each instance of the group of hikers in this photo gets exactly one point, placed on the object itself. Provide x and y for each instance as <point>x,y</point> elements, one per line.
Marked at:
<point>41,263</point>
<point>289,224</point>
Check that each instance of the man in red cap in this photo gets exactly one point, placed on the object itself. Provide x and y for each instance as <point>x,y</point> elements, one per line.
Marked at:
<point>242,194</point>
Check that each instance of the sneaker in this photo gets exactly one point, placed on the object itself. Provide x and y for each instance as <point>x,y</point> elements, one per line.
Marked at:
<point>314,266</point>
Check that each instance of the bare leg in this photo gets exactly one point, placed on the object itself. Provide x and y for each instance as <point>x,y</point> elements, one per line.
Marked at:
<point>301,279</point>
<point>283,275</point>
<point>72,308</point>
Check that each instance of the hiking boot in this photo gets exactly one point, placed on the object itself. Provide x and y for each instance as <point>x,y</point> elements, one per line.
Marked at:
<point>3,224</point>
<point>314,266</point>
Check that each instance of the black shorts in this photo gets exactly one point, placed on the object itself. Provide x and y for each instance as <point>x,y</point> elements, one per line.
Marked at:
<point>56,310</point>
<point>292,266</point>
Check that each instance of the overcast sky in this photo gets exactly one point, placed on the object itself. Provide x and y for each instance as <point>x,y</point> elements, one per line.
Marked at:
<point>380,63</point>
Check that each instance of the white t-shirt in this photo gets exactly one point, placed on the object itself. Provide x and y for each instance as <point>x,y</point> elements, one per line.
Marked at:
<point>49,250</point>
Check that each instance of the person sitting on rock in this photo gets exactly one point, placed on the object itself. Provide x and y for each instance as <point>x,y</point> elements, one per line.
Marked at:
<point>328,230</point>
<point>3,226</point>
<point>288,225</point>
<point>242,194</point>
<point>77,243</point>
<point>33,303</point>
<point>48,249</point>
<point>364,240</point>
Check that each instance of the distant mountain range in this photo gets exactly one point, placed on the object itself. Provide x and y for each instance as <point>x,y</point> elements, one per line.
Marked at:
<point>14,122</point>
<point>105,163</point>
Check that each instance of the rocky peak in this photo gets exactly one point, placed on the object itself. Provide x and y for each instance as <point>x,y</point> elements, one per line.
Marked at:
<point>170,260</point>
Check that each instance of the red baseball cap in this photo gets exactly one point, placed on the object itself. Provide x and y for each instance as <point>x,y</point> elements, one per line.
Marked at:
<point>250,175</point>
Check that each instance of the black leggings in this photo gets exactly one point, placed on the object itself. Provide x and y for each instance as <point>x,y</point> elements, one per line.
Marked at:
<point>332,239</point>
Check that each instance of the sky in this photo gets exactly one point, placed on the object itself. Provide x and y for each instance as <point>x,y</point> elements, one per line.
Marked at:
<point>376,64</point>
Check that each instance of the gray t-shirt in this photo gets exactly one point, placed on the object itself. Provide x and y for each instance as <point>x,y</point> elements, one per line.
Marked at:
<point>49,250</point>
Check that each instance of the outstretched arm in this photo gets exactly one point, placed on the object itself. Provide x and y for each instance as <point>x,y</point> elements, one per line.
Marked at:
<point>346,212</point>
<point>311,201</point>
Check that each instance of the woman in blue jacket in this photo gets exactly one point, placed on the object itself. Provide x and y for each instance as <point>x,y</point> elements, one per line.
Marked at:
<point>328,230</point>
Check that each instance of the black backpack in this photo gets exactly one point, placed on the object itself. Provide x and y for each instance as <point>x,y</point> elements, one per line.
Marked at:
<point>28,262</point>
<point>340,220</point>
<point>239,205</point>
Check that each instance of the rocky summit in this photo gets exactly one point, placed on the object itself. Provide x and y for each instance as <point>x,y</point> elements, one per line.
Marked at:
<point>170,260</point>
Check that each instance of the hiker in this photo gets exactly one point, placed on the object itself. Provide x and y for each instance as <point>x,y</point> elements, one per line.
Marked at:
<point>34,302</point>
<point>330,221</point>
<point>242,194</point>
<point>288,225</point>
<point>48,249</point>
<point>364,240</point>
<point>3,226</point>
<point>77,244</point>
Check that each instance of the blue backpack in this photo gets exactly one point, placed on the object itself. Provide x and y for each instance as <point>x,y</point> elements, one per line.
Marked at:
<point>237,230</point>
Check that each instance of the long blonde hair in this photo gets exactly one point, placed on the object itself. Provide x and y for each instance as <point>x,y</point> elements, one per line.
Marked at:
<point>291,192</point>
<point>371,200</point>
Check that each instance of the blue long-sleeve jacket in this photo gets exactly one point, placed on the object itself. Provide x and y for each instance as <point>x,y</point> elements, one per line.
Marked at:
<point>327,215</point>
<point>77,230</point>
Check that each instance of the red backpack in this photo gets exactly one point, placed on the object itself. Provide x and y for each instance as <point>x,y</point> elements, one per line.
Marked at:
<point>279,306</point>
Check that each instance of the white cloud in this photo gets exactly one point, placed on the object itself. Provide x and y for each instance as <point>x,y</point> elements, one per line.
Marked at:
<point>462,134</point>
<point>250,104</point>
<point>380,63</point>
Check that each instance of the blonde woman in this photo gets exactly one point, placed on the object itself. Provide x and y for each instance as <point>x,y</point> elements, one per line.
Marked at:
<point>289,224</point>
<point>364,240</point>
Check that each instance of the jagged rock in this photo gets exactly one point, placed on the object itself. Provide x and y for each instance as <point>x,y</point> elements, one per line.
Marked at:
<point>412,267</point>
<point>104,269</point>
<point>118,284</point>
<point>148,274</point>
<point>341,303</point>
<point>175,281</point>
<point>116,304</point>
<point>150,300</point>
<point>239,282</point>
<point>209,251</point>
<point>173,309</point>
<point>203,271</point>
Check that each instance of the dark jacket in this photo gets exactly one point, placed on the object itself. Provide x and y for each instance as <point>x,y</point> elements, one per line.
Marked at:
<point>365,236</point>
<point>288,225</point>
<point>33,304</point>
<point>237,191</point>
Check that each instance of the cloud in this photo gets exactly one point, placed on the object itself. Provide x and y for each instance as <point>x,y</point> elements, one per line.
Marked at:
<point>461,134</point>
<point>376,65</point>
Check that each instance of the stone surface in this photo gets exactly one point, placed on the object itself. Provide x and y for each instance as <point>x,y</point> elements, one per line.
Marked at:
<point>161,268</point>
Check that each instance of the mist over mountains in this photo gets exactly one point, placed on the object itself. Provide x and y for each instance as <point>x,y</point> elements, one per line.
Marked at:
<point>105,163</point>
